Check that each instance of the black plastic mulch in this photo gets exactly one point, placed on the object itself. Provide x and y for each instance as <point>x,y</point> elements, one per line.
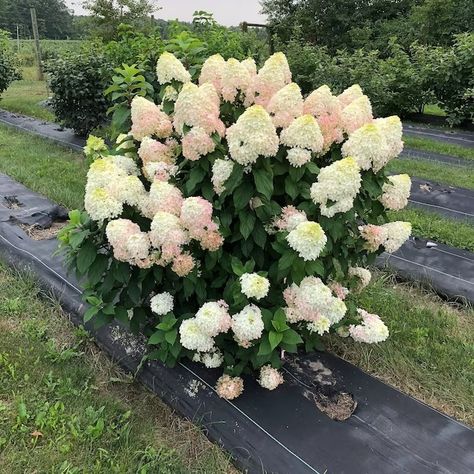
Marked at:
<point>456,137</point>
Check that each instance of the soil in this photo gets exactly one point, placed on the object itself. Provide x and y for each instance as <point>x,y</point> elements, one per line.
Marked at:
<point>339,407</point>
<point>11,202</point>
<point>36,232</point>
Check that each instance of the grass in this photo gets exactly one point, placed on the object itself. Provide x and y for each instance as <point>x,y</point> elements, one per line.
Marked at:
<point>426,144</point>
<point>65,407</point>
<point>433,109</point>
<point>441,173</point>
<point>43,166</point>
<point>430,351</point>
<point>439,228</point>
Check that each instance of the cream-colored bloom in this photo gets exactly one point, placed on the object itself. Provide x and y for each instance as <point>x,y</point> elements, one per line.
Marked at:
<point>170,68</point>
<point>307,239</point>
<point>254,286</point>
<point>396,192</point>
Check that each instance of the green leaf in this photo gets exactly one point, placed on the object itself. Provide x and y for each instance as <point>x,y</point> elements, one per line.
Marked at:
<point>133,290</point>
<point>170,336</point>
<point>290,336</point>
<point>90,313</point>
<point>97,269</point>
<point>156,337</point>
<point>247,221</point>
<point>264,182</point>
<point>195,176</point>
<point>264,348</point>
<point>86,256</point>
<point>274,338</point>
<point>286,261</point>
<point>242,195</point>
<point>315,267</point>
<point>237,266</point>
<point>291,187</point>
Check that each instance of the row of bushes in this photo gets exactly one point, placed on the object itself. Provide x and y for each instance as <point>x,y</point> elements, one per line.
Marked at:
<point>8,67</point>
<point>400,82</point>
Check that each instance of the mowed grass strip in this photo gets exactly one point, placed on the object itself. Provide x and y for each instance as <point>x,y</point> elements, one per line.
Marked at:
<point>430,351</point>
<point>43,166</point>
<point>65,407</point>
<point>441,173</point>
<point>24,97</point>
<point>439,228</point>
<point>435,146</point>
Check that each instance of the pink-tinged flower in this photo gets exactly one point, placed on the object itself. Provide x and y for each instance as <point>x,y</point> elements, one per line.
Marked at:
<point>212,241</point>
<point>196,216</point>
<point>183,265</point>
<point>356,114</point>
<point>270,378</point>
<point>289,218</point>
<point>212,71</point>
<point>285,105</point>
<point>165,197</point>
<point>148,119</point>
<point>374,235</point>
<point>236,78</point>
<point>229,387</point>
<point>340,291</point>
<point>349,95</point>
<point>154,151</point>
<point>197,143</point>
<point>274,75</point>
<point>371,330</point>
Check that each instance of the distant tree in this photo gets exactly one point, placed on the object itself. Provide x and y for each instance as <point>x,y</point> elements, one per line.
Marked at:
<point>109,14</point>
<point>54,18</point>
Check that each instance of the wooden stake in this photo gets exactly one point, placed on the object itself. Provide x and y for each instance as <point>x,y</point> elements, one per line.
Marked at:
<point>34,24</point>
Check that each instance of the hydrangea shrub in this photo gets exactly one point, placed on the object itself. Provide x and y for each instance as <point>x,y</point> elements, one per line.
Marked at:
<point>234,220</point>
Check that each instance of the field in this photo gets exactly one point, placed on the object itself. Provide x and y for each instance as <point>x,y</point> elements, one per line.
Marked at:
<point>49,49</point>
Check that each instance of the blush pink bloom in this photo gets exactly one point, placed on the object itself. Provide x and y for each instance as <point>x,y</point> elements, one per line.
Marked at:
<point>183,265</point>
<point>197,143</point>
<point>148,119</point>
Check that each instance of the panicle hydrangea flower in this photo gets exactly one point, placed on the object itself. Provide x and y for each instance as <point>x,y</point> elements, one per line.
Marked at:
<point>311,300</point>
<point>303,132</point>
<point>289,218</point>
<point>269,377</point>
<point>170,94</point>
<point>397,234</point>
<point>340,291</point>
<point>392,129</point>
<point>167,227</point>
<point>307,239</point>
<point>129,190</point>
<point>285,105</point>
<point>148,119</point>
<point>151,151</point>
<point>163,196</point>
<point>229,387</point>
<point>396,192</point>
<point>274,75</point>
<point>362,274</point>
<point>356,114</point>
<point>170,68</point>
<point>94,146</point>
<point>198,107</point>
<point>159,171</point>
<point>101,205</point>
<point>236,77</point>
<point>125,163</point>
<point>196,216</point>
<point>298,157</point>
<point>254,286</point>
<point>212,71</point>
<point>211,241</point>
<point>102,172</point>
<point>197,143</point>
<point>129,243</point>
<point>213,318</point>
<point>371,330</point>
<point>320,326</point>
<point>252,135</point>
<point>327,110</point>
<point>247,325</point>
<point>193,338</point>
<point>374,236</point>
<point>212,360</point>
<point>162,303</point>
<point>221,171</point>
<point>336,187</point>
<point>183,265</point>
<point>349,95</point>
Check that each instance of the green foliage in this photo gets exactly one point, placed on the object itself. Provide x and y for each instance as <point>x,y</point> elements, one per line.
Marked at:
<point>8,69</point>
<point>77,82</point>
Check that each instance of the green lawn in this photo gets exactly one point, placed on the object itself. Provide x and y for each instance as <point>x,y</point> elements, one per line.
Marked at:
<point>438,228</point>
<point>66,408</point>
<point>426,144</point>
<point>43,166</point>
<point>433,109</point>
<point>430,351</point>
<point>24,97</point>
<point>438,172</point>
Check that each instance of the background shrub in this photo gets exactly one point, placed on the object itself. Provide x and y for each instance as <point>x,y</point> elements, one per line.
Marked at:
<point>8,69</point>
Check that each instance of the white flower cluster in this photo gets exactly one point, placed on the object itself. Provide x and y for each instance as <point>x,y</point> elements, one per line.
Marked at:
<point>396,192</point>
<point>254,286</point>
<point>302,136</point>
<point>337,186</point>
<point>307,239</point>
<point>169,68</point>
<point>148,119</point>
<point>312,301</point>
<point>247,325</point>
<point>162,303</point>
<point>391,235</point>
<point>229,387</point>
<point>362,274</point>
<point>373,145</point>
<point>221,171</point>
<point>197,333</point>
<point>356,114</point>
<point>270,378</point>
<point>371,330</point>
<point>252,135</point>
<point>286,105</point>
